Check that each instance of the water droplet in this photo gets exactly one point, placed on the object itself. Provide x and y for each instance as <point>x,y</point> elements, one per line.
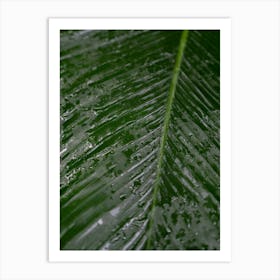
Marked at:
<point>123,235</point>
<point>114,212</point>
<point>123,196</point>
<point>138,156</point>
<point>136,183</point>
<point>141,203</point>
<point>90,82</point>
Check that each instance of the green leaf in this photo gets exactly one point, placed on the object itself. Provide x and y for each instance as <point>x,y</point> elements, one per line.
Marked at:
<point>140,148</point>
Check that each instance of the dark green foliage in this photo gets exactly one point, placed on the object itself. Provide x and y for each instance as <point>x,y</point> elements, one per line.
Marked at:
<point>114,91</point>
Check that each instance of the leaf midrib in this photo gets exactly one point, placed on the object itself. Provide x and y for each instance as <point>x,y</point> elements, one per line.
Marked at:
<point>171,95</point>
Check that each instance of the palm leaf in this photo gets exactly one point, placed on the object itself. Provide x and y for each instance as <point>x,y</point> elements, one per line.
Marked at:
<point>140,117</point>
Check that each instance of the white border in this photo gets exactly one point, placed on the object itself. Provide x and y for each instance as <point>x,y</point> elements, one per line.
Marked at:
<point>57,255</point>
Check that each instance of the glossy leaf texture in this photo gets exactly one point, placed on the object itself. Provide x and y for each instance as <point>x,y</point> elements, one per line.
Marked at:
<point>123,187</point>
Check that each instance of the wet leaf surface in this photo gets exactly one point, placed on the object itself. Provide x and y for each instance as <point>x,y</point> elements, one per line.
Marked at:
<point>140,170</point>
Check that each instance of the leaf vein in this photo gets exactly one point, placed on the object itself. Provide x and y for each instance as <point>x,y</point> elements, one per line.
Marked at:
<point>171,95</point>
